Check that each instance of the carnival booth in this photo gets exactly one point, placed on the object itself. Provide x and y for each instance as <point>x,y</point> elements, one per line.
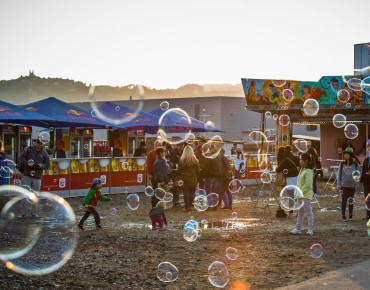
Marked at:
<point>338,104</point>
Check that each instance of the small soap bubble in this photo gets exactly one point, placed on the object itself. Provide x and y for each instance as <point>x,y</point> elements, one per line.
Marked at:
<point>234,215</point>
<point>316,251</point>
<point>133,201</point>
<point>167,272</point>
<point>164,105</point>
<point>149,191</point>
<point>235,185</point>
<point>113,211</point>
<point>268,115</point>
<point>231,253</point>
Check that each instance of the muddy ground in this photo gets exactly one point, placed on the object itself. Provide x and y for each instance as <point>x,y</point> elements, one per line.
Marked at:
<point>125,253</point>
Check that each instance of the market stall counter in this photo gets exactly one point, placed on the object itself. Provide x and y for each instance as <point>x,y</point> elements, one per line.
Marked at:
<point>70,177</point>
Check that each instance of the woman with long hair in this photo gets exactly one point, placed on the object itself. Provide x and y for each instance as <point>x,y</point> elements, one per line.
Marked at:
<point>189,170</point>
<point>280,155</point>
<point>305,180</point>
<point>346,182</point>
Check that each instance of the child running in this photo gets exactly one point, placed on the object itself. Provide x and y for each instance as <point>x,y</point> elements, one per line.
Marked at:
<point>91,200</point>
<point>157,216</point>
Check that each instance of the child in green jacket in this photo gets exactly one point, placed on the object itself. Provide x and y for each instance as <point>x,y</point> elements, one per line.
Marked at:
<point>91,200</point>
<point>305,179</point>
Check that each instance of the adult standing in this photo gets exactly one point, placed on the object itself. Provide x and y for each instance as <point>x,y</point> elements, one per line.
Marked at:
<point>34,159</point>
<point>289,166</point>
<point>234,149</point>
<point>317,170</point>
<point>239,163</point>
<point>226,176</point>
<point>150,159</point>
<point>189,170</point>
<point>198,153</point>
<point>345,181</point>
<point>212,171</point>
<point>141,150</point>
<point>175,156</point>
<point>365,177</point>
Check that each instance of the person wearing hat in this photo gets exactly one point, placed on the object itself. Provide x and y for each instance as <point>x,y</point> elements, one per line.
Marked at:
<point>33,160</point>
<point>91,201</point>
<point>141,150</point>
<point>346,183</point>
<point>365,179</point>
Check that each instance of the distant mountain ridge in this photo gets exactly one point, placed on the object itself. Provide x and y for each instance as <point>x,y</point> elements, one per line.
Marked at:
<point>31,88</point>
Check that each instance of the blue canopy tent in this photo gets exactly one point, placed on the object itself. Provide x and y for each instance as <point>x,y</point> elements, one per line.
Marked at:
<point>17,115</point>
<point>175,121</point>
<point>119,116</point>
<point>64,114</point>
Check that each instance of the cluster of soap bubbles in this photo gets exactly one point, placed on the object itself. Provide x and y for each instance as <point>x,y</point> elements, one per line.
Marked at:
<point>36,246</point>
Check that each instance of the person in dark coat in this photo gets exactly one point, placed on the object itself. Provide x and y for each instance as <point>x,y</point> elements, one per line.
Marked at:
<point>175,156</point>
<point>141,150</point>
<point>161,171</point>
<point>189,170</point>
<point>226,176</point>
<point>365,179</point>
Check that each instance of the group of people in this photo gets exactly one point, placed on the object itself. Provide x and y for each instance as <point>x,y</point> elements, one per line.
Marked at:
<point>303,171</point>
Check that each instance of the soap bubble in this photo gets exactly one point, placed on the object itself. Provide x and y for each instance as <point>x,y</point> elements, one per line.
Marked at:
<point>339,121</point>
<point>189,138</point>
<point>200,191</point>
<point>275,117</point>
<point>343,96</point>
<point>348,105</point>
<point>285,171</point>
<point>234,215</point>
<point>180,183</point>
<point>149,191</point>
<point>268,115</point>
<point>133,201</point>
<point>351,131</point>
<point>164,105</point>
<point>218,274</point>
<point>200,203</point>
<point>159,193</point>
<point>232,253</point>
<point>31,162</point>
<point>367,202</point>
<point>311,107</point>
<point>266,176</point>
<point>168,197</point>
<point>278,83</point>
<point>356,174</point>
<point>212,148</point>
<point>267,133</point>
<point>284,120</point>
<point>354,84</point>
<point>113,211</point>
<point>288,95</point>
<point>117,108</point>
<point>44,137</point>
<point>351,201</point>
<point>54,241</point>
<point>175,117</point>
<point>299,146</point>
<point>235,185</point>
<point>288,193</point>
<point>167,272</point>
<point>316,251</point>
<point>212,199</point>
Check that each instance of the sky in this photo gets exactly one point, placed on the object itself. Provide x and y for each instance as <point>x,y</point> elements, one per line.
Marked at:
<point>169,43</point>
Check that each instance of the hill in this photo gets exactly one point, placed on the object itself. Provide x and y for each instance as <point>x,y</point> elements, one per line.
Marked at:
<point>31,88</point>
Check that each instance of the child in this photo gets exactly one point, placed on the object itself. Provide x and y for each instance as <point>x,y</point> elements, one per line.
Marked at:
<point>157,215</point>
<point>91,200</point>
<point>345,181</point>
<point>305,181</point>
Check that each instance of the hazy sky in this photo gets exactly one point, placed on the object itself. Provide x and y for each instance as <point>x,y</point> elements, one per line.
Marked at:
<point>168,43</point>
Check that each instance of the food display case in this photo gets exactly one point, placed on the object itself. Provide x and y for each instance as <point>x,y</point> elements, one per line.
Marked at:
<point>70,177</point>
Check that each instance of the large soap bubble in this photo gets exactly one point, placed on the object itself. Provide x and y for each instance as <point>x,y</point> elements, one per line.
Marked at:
<point>218,274</point>
<point>354,84</point>
<point>343,96</point>
<point>57,238</point>
<point>133,201</point>
<point>291,197</point>
<point>167,272</point>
